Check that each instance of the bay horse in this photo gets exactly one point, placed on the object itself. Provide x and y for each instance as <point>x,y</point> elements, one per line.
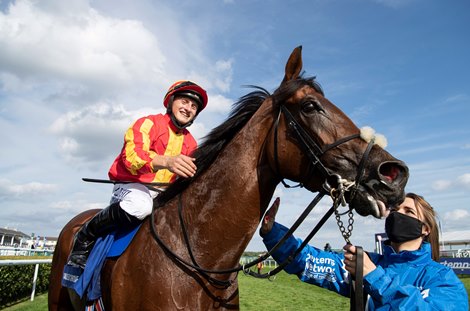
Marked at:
<point>209,219</point>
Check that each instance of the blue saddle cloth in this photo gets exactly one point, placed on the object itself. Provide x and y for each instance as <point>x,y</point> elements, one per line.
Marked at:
<point>88,281</point>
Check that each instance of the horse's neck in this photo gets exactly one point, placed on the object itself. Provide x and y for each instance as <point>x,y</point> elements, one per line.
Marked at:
<point>227,200</point>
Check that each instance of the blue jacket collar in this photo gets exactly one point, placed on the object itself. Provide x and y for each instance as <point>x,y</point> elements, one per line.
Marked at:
<point>419,256</point>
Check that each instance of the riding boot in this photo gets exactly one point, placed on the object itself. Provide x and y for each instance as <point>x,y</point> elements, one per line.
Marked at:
<point>101,224</point>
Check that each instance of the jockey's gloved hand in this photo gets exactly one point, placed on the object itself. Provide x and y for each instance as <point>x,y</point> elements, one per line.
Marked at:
<point>269,217</point>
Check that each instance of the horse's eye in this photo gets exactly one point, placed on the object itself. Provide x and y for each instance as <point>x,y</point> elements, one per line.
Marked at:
<point>311,106</point>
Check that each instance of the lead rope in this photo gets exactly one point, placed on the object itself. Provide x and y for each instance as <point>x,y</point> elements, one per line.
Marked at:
<point>356,294</point>
<point>356,290</point>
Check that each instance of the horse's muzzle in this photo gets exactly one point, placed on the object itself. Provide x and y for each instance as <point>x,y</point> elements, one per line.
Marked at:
<point>383,190</point>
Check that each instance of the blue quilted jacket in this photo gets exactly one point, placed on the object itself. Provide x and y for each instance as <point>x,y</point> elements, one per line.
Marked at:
<point>409,280</point>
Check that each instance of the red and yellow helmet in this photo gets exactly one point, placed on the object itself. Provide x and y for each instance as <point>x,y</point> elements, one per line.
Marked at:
<point>187,88</point>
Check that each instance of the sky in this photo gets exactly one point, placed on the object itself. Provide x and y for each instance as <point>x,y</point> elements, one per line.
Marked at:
<point>75,74</point>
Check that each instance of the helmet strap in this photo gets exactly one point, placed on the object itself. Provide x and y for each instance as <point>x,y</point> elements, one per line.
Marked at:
<point>178,124</point>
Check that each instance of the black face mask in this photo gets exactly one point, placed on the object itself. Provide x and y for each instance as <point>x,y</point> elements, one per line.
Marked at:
<point>402,228</point>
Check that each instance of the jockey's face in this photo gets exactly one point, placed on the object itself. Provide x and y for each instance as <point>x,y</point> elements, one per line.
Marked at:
<point>184,109</point>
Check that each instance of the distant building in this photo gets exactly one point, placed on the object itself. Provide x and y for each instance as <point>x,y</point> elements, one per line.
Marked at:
<point>455,243</point>
<point>10,237</point>
<point>456,239</point>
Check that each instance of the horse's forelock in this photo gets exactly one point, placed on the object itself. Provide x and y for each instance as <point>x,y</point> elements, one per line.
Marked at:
<point>287,89</point>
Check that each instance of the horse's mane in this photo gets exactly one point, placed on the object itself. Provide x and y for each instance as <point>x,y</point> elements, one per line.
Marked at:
<point>219,137</point>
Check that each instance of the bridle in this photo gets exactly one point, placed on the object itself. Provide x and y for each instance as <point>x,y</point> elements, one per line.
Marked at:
<point>314,151</point>
<point>337,192</point>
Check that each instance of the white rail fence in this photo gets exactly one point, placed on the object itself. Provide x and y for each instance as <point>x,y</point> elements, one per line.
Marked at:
<point>36,262</point>
<point>21,251</point>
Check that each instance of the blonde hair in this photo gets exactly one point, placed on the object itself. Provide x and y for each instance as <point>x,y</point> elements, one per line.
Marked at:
<point>429,218</point>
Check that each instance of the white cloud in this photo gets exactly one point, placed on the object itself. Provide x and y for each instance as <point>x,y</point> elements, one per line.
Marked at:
<point>455,220</point>
<point>441,185</point>
<point>89,117</point>
<point>219,104</point>
<point>9,189</point>
<point>94,132</point>
<point>224,67</point>
<point>47,39</point>
<point>459,182</point>
<point>457,214</point>
<point>62,205</point>
<point>464,180</point>
<point>198,130</point>
<point>457,98</point>
<point>75,206</point>
<point>112,69</point>
<point>10,82</point>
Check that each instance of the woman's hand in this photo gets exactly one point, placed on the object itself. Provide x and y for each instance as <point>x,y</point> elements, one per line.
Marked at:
<point>350,260</point>
<point>269,217</point>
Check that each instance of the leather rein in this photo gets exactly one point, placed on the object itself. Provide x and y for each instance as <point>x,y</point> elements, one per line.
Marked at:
<point>314,152</point>
<point>337,192</point>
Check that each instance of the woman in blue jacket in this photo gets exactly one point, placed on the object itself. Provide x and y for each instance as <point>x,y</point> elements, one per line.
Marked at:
<point>406,277</point>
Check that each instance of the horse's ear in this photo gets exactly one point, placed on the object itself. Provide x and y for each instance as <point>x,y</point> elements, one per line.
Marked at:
<point>294,65</point>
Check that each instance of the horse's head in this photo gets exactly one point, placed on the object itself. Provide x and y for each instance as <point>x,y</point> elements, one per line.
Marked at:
<point>314,142</point>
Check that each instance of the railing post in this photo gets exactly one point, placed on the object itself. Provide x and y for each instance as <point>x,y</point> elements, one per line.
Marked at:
<point>35,278</point>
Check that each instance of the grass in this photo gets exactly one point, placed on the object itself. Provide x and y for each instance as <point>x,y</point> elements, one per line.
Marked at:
<point>285,293</point>
<point>466,281</point>
<point>39,304</point>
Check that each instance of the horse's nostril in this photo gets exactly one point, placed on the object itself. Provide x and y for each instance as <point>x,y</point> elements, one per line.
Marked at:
<point>391,171</point>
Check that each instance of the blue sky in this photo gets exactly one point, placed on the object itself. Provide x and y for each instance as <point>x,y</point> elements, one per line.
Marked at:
<point>75,74</point>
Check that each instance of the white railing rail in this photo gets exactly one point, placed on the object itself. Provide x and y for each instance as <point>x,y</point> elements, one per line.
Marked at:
<point>456,253</point>
<point>36,262</point>
<point>22,251</point>
<point>463,253</point>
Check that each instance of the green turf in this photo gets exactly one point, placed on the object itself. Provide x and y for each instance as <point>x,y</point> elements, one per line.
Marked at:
<point>286,292</point>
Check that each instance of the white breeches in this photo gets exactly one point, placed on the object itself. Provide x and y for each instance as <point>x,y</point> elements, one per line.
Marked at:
<point>135,199</point>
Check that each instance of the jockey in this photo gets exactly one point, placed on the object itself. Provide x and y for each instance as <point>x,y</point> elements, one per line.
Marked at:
<point>157,149</point>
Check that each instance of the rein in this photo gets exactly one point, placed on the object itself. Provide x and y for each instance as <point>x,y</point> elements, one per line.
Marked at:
<point>314,152</point>
<point>357,295</point>
<point>204,272</point>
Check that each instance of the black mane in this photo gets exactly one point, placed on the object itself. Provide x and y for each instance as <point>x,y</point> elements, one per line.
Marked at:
<point>219,137</point>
